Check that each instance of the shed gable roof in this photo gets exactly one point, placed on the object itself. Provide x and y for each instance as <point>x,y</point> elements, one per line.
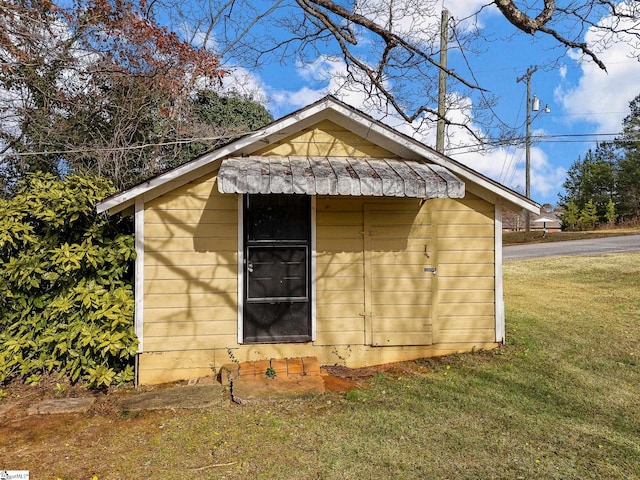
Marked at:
<point>329,108</point>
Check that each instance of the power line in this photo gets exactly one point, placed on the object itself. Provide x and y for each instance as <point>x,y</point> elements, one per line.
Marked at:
<point>547,138</point>
<point>511,166</point>
<point>513,142</point>
<point>466,61</point>
<point>125,148</point>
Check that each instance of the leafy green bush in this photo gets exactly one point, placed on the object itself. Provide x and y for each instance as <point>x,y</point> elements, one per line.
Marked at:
<point>66,301</point>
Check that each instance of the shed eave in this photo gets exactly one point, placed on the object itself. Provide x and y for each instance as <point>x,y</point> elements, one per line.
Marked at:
<point>327,108</point>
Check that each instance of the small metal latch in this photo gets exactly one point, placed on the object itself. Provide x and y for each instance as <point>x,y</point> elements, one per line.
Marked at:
<point>430,269</point>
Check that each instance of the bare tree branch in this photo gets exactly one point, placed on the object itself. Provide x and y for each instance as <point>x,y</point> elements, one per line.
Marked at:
<point>523,21</point>
<point>388,49</point>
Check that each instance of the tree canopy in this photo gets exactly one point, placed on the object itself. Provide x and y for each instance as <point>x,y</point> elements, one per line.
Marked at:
<point>216,118</point>
<point>592,178</point>
<point>100,86</point>
<point>629,163</point>
<point>606,181</point>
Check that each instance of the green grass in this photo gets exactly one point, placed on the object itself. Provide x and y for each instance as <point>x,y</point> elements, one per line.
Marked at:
<point>559,401</point>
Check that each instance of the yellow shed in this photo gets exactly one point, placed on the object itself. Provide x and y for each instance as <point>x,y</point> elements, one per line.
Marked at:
<point>325,234</point>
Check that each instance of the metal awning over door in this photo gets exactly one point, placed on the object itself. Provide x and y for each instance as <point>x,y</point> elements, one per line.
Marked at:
<point>378,177</point>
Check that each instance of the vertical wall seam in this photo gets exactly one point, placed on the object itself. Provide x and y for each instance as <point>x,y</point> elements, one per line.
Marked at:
<point>313,269</point>
<point>240,268</point>
<point>499,288</point>
<point>139,272</point>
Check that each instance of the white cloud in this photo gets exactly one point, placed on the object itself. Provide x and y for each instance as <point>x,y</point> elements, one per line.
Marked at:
<point>320,70</point>
<point>602,98</point>
<point>468,8</point>
<point>491,164</point>
<point>240,81</point>
<point>507,166</point>
<point>293,100</point>
<point>415,18</point>
<point>562,71</point>
<point>331,78</point>
<point>546,178</point>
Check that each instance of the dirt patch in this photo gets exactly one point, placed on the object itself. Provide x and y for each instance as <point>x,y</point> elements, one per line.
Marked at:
<point>415,367</point>
<point>19,397</point>
<point>339,384</point>
<point>344,379</point>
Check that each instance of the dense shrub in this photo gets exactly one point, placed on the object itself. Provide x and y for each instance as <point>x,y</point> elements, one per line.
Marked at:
<point>66,301</point>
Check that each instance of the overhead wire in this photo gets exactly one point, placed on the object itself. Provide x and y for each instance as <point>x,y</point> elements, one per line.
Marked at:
<point>511,157</point>
<point>594,138</point>
<point>508,158</point>
<point>545,138</point>
<point>475,79</point>
<point>123,148</point>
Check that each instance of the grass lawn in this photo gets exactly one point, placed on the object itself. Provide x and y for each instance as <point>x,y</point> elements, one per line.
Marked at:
<point>559,401</point>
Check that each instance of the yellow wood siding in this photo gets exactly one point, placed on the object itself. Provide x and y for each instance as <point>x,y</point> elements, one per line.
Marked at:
<point>371,286</point>
<point>325,139</point>
<point>398,293</point>
<point>339,272</point>
<point>207,242</point>
<point>189,300</point>
<point>178,365</point>
<point>466,272</point>
<point>191,272</point>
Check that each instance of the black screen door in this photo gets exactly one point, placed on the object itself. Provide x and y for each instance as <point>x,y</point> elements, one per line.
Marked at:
<point>277,293</point>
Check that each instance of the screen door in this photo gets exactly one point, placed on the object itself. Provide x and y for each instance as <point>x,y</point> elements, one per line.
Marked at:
<point>277,244</point>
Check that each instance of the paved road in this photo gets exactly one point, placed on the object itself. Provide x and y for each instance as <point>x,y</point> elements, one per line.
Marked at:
<point>629,243</point>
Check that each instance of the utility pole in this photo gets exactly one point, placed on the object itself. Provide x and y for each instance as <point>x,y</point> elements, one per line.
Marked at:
<point>442,80</point>
<point>527,77</point>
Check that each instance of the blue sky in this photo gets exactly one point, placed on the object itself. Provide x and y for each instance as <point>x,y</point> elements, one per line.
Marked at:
<point>586,103</point>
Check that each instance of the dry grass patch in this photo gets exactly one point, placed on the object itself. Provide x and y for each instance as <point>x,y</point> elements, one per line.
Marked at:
<point>536,236</point>
<point>560,400</point>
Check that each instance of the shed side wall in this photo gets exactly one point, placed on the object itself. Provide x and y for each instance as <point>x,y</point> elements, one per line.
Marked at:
<point>191,273</point>
<point>340,300</point>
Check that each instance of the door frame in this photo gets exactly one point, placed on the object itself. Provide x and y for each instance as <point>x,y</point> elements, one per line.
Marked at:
<point>432,256</point>
<point>242,279</point>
